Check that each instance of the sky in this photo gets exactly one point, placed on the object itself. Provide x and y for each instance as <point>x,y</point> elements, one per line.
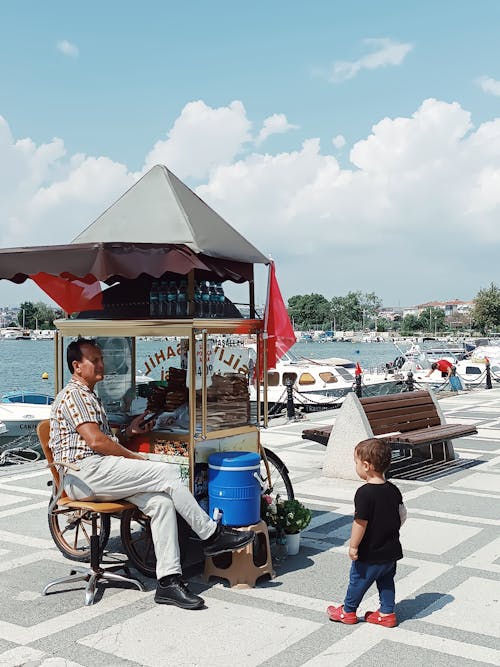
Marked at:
<point>358,144</point>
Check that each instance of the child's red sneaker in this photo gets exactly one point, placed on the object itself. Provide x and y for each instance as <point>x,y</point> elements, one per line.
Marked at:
<point>388,621</point>
<point>338,614</point>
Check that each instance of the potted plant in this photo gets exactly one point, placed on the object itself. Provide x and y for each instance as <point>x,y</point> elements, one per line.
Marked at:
<point>289,517</point>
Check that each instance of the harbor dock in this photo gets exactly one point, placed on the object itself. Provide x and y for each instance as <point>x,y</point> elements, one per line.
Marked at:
<point>447,585</point>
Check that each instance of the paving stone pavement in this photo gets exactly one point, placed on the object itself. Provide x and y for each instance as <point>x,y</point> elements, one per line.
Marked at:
<point>447,587</point>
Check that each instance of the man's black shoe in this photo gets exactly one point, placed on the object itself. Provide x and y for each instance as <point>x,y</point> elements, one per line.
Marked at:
<point>227,539</point>
<point>174,590</point>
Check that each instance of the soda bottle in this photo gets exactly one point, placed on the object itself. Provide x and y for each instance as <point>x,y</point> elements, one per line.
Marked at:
<point>153,300</point>
<point>221,300</point>
<point>162,299</point>
<point>197,300</point>
<point>205,300</point>
<point>212,299</point>
<point>171,299</point>
<point>182,299</point>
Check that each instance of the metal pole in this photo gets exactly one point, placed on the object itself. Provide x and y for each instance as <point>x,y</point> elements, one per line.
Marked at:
<point>204,384</point>
<point>488,376</point>
<point>264,355</point>
<point>290,407</point>
<point>409,381</point>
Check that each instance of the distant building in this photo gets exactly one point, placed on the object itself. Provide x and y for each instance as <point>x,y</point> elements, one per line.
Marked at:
<point>450,308</point>
<point>391,313</point>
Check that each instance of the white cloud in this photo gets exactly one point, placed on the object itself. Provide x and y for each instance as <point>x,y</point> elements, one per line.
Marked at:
<point>489,85</point>
<point>339,141</point>
<point>213,136</point>
<point>412,217</point>
<point>275,124</point>
<point>386,52</point>
<point>67,48</point>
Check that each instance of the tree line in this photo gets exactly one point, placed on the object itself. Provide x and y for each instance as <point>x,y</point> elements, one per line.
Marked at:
<point>361,311</point>
<point>355,311</point>
<point>37,315</point>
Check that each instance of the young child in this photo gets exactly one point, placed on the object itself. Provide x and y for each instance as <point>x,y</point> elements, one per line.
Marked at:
<point>374,547</point>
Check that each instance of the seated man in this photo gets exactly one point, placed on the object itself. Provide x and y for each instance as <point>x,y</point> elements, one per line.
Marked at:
<point>80,433</point>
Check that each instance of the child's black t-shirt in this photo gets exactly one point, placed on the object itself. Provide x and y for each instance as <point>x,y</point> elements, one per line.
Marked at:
<point>379,505</point>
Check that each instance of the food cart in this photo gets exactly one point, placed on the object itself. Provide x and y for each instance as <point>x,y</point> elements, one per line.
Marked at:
<point>195,385</point>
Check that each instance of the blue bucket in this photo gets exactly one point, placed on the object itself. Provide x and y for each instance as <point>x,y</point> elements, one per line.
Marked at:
<point>233,487</point>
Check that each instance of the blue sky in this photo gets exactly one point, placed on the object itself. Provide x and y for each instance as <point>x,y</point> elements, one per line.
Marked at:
<point>342,138</point>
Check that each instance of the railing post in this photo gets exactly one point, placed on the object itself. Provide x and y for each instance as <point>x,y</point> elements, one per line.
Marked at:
<point>358,389</point>
<point>290,407</point>
<point>488,376</point>
<point>409,382</point>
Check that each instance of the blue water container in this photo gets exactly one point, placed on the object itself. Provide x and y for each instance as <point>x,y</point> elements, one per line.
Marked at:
<point>233,487</point>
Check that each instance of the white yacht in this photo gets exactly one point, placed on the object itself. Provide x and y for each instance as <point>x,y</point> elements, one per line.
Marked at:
<point>471,370</point>
<point>21,419</point>
<point>323,381</point>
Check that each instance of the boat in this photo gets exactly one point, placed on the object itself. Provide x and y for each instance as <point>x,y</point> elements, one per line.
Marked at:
<point>21,419</point>
<point>324,382</point>
<point>24,334</point>
<point>470,365</point>
<point>26,396</point>
<point>42,334</point>
<point>10,333</point>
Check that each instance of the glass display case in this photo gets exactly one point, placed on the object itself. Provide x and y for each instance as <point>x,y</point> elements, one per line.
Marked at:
<point>194,378</point>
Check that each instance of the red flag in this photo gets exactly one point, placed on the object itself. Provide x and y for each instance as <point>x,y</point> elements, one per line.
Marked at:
<point>277,324</point>
<point>72,294</point>
<point>358,370</point>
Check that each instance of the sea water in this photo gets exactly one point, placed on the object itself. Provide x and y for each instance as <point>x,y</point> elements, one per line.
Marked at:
<point>24,362</point>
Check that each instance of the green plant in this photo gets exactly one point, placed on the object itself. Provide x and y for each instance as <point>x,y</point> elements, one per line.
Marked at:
<point>288,516</point>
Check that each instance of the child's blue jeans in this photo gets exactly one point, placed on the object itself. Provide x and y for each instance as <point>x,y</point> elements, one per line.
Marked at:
<point>362,576</point>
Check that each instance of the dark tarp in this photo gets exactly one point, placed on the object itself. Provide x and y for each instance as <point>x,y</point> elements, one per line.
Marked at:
<point>110,261</point>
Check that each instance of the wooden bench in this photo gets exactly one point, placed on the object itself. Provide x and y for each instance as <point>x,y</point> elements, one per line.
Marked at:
<point>412,420</point>
<point>320,434</point>
<point>408,421</point>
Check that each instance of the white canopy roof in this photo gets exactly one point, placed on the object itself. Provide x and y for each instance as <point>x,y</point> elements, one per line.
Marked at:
<point>159,208</point>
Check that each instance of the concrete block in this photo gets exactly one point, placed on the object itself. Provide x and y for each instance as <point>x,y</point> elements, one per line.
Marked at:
<point>351,426</point>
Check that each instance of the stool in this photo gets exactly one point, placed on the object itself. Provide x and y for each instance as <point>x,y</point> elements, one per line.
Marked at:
<point>243,568</point>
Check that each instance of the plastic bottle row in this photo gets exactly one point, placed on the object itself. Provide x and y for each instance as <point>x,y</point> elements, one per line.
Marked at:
<point>169,299</point>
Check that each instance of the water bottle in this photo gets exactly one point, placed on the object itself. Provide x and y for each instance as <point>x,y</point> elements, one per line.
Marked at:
<point>171,299</point>
<point>212,300</point>
<point>153,300</point>
<point>205,300</point>
<point>221,300</point>
<point>182,299</point>
<point>197,300</point>
<point>162,299</point>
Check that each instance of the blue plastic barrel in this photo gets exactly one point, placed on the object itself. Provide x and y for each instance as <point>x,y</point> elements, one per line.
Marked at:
<point>233,488</point>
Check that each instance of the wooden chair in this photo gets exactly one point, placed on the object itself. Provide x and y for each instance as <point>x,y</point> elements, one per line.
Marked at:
<point>95,511</point>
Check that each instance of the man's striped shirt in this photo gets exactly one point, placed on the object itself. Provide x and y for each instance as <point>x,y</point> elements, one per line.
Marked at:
<point>75,405</point>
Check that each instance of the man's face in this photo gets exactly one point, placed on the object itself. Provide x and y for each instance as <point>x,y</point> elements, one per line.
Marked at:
<point>91,368</point>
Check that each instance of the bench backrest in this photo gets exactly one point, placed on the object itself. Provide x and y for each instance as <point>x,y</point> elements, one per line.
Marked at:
<point>404,412</point>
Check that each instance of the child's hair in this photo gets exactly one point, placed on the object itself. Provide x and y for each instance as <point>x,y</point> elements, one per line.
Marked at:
<point>375,451</point>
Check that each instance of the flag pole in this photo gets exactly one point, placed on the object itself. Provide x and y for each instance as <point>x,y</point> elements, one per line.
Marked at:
<point>264,346</point>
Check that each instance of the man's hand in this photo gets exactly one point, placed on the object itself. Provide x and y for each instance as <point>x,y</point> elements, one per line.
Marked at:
<point>136,426</point>
<point>353,553</point>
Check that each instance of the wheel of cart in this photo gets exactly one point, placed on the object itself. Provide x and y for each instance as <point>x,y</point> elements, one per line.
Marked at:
<point>71,529</point>
<point>135,529</point>
<point>274,475</point>
<point>137,541</point>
